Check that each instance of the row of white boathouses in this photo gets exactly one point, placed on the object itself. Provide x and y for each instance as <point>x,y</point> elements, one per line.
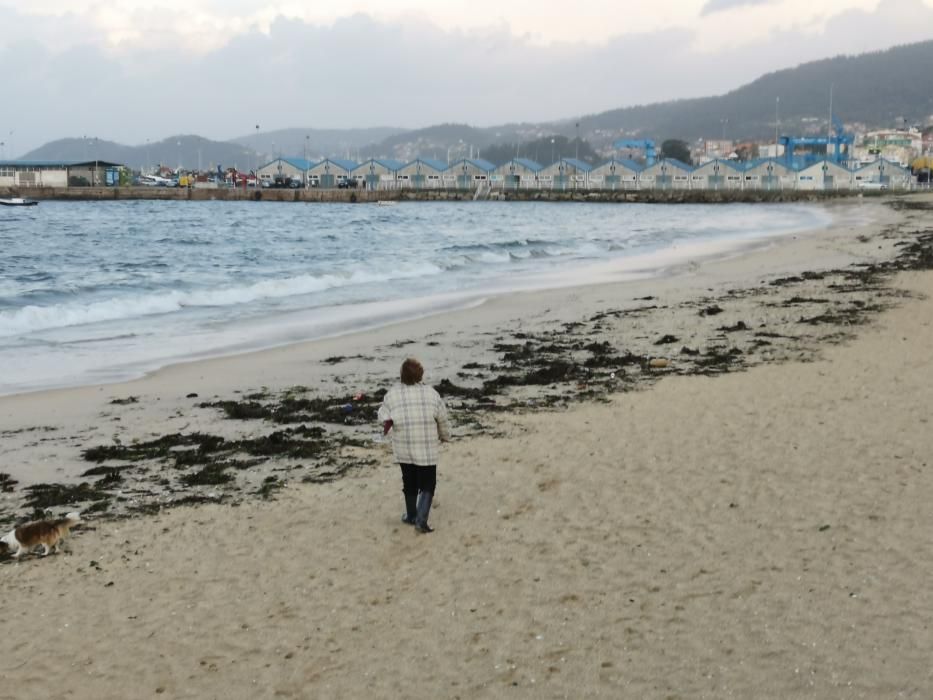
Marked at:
<point>570,173</point>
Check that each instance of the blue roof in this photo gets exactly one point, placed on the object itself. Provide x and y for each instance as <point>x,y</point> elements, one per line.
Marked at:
<point>822,161</point>
<point>755,162</point>
<point>347,165</point>
<point>298,163</point>
<point>875,163</point>
<point>578,164</point>
<point>387,163</point>
<point>482,164</point>
<point>438,165</point>
<point>735,165</point>
<point>625,162</point>
<point>527,163</point>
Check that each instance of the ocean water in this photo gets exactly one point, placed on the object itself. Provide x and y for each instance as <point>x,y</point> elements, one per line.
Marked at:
<point>104,291</point>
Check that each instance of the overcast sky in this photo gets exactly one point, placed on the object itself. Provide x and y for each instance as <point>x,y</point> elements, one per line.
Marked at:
<point>132,70</point>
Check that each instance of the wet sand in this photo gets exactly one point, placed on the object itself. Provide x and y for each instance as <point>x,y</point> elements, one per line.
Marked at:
<point>748,521</point>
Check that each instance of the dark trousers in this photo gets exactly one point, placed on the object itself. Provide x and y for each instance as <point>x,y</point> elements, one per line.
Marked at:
<point>418,485</point>
<point>416,478</point>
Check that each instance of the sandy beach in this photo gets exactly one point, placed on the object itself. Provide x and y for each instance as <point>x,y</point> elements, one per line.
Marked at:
<point>748,520</point>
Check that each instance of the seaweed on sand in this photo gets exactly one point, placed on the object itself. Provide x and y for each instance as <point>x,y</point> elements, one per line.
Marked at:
<point>355,409</point>
<point>7,482</point>
<point>42,496</point>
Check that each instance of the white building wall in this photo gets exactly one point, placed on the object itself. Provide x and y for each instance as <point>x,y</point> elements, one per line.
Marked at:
<point>815,177</point>
<point>279,167</point>
<point>898,177</point>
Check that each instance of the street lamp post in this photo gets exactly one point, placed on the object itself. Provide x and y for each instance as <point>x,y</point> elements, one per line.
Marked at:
<point>307,164</point>
<point>257,147</point>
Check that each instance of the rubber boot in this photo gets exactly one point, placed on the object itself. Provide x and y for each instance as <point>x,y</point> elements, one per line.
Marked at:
<point>411,508</point>
<point>424,509</point>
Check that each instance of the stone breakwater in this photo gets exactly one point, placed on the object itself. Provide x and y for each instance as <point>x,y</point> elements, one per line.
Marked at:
<point>351,196</point>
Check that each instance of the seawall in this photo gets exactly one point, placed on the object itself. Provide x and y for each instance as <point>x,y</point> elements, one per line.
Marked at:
<point>349,196</point>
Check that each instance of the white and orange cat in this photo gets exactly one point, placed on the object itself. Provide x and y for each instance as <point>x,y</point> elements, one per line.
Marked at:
<point>48,533</point>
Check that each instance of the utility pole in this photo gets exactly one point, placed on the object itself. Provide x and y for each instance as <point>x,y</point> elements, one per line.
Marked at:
<point>777,103</point>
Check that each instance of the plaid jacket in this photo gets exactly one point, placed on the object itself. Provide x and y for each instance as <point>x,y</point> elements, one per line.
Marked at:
<point>419,420</point>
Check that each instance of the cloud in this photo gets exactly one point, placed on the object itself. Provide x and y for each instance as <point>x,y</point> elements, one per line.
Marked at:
<point>360,71</point>
<point>712,6</point>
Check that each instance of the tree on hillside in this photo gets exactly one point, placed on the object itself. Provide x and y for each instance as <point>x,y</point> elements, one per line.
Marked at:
<point>675,148</point>
<point>544,151</point>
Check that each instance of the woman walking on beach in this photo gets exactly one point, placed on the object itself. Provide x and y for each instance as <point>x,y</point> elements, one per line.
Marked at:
<point>417,417</point>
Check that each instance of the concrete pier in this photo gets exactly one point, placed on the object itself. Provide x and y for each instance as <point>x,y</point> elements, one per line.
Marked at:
<point>428,195</point>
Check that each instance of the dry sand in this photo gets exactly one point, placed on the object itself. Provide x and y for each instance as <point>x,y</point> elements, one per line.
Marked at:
<point>756,535</point>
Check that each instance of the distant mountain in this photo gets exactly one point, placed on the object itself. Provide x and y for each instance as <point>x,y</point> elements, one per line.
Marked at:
<point>187,151</point>
<point>880,89</point>
<point>317,143</point>
<point>872,90</point>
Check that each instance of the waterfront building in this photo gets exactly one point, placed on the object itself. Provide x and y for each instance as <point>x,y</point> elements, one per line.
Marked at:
<point>718,174</point>
<point>330,172</point>
<point>468,173</point>
<point>824,175</point>
<point>518,173</point>
<point>377,173</point>
<point>615,174</point>
<point>769,174</point>
<point>883,172</point>
<point>422,173</point>
<point>284,168</point>
<point>665,174</point>
<point>565,174</point>
<point>48,173</point>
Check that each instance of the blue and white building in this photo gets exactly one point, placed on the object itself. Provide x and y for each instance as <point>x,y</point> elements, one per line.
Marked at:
<point>422,173</point>
<point>769,174</point>
<point>882,173</point>
<point>330,172</point>
<point>468,174</point>
<point>615,174</point>
<point>825,175</point>
<point>718,174</point>
<point>665,174</point>
<point>282,168</point>
<point>566,174</point>
<point>377,173</point>
<point>518,173</point>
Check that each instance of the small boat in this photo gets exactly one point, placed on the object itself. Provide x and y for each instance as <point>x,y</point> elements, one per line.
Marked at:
<point>386,202</point>
<point>18,202</point>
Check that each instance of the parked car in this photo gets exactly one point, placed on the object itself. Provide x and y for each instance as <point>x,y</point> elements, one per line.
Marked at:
<point>347,184</point>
